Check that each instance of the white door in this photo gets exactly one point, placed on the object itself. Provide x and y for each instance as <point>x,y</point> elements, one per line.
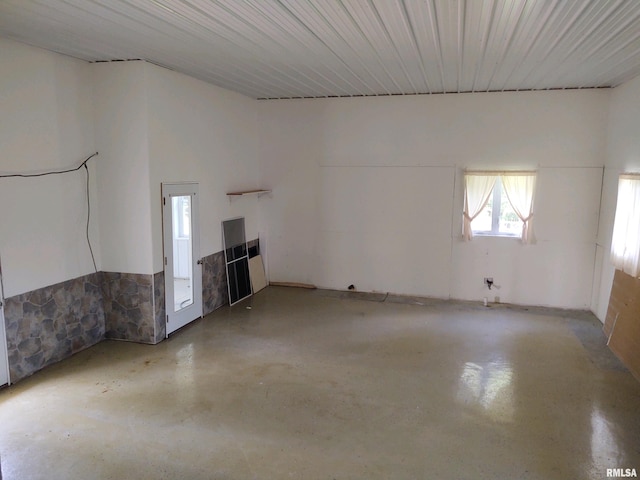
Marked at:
<point>4,360</point>
<point>182,266</point>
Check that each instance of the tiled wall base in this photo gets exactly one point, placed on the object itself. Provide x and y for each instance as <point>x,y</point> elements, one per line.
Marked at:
<point>159,306</point>
<point>47,325</point>
<point>128,306</point>
<point>214,283</point>
<point>253,244</point>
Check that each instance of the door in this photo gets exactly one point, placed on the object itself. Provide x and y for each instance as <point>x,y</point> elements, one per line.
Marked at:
<point>4,360</point>
<point>182,266</point>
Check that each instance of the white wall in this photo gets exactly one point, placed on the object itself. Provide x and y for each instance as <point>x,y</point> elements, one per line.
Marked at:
<point>45,123</point>
<point>121,123</point>
<point>376,229</point>
<point>558,269</point>
<point>622,155</point>
<point>372,181</point>
<point>154,125</point>
<point>377,182</point>
<point>201,133</point>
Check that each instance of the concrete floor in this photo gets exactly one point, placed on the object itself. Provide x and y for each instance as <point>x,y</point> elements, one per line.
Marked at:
<point>316,386</point>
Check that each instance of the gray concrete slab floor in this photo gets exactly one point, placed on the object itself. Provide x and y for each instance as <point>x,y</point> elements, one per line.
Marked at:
<point>309,386</point>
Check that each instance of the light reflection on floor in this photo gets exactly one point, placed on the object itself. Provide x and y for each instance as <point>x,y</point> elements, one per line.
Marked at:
<point>184,375</point>
<point>604,448</point>
<point>304,386</point>
<point>490,387</point>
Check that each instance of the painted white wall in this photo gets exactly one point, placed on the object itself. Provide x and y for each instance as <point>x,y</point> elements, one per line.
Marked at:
<point>622,155</point>
<point>291,151</point>
<point>46,123</point>
<point>376,229</point>
<point>351,178</point>
<point>121,124</point>
<point>378,181</point>
<point>205,134</point>
<point>558,269</point>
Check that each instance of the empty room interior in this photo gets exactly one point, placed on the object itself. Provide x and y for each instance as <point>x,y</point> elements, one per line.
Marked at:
<point>334,239</point>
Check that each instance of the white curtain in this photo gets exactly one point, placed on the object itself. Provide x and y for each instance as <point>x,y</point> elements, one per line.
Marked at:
<point>477,189</point>
<point>625,244</point>
<point>519,188</point>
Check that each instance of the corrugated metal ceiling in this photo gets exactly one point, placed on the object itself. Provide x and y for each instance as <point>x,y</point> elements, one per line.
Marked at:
<point>320,48</point>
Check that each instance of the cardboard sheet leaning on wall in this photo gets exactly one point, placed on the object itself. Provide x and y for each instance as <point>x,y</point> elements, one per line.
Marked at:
<point>622,323</point>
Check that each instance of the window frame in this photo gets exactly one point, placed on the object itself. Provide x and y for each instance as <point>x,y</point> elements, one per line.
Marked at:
<point>496,208</point>
<point>625,236</point>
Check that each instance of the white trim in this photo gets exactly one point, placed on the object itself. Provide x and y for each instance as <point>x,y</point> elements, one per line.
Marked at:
<point>4,347</point>
<point>176,320</point>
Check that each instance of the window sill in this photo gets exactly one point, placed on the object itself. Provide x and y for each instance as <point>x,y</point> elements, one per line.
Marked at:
<point>496,235</point>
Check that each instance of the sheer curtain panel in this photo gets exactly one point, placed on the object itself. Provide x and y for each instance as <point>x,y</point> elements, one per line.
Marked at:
<point>625,243</point>
<point>520,187</point>
<point>477,189</point>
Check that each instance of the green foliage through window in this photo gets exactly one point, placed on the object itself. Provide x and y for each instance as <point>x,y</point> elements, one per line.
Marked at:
<point>497,217</point>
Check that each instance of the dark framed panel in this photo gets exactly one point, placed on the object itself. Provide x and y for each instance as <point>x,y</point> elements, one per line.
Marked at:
<point>236,259</point>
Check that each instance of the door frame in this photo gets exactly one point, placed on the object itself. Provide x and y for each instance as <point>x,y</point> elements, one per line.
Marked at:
<point>176,320</point>
<point>4,348</point>
<point>4,359</point>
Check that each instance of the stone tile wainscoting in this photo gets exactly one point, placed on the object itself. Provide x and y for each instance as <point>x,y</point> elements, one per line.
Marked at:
<point>159,307</point>
<point>253,247</point>
<point>51,323</point>
<point>214,283</point>
<point>129,306</point>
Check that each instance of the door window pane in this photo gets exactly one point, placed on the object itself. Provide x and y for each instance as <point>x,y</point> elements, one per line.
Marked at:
<point>182,252</point>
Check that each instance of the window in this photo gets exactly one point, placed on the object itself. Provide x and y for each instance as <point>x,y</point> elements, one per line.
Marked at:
<point>497,217</point>
<point>625,243</point>
<point>181,222</point>
<point>499,204</point>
